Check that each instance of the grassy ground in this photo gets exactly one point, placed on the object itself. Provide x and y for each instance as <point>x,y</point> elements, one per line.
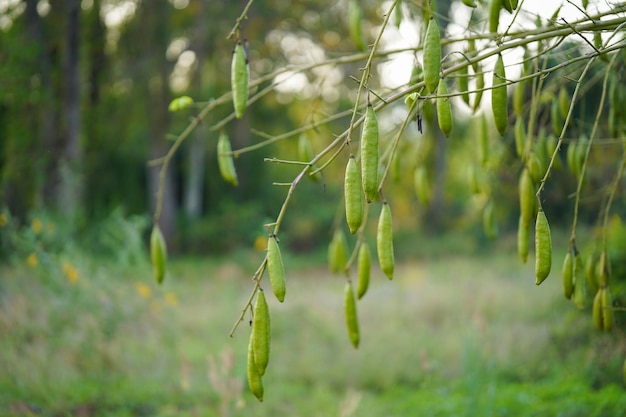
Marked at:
<point>449,336</point>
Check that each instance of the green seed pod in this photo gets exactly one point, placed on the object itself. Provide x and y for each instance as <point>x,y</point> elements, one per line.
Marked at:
<point>225,160</point>
<point>254,377</point>
<point>494,15</point>
<point>520,137</point>
<point>506,4</point>
<point>352,195</point>
<point>568,275</point>
<point>240,78</point>
<point>535,167</point>
<point>523,240</point>
<point>276,268</point>
<point>602,274</point>
<point>519,97</point>
<point>422,185</point>
<point>469,3</point>
<point>596,310</point>
<point>364,266</point>
<point>526,197</point>
<point>158,253</point>
<point>352,320</point>
<point>607,309</point>
<point>432,55</point>
<point>480,84</point>
<point>355,20</point>
<point>543,248</point>
<point>337,251</point>
<point>580,287</point>
<point>551,144</point>
<point>444,109</point>
<point>499,97</point>
<point>384,241</point>
<point>572,163</point>
<point>369,154</point>
<point>463,84</point>
<point>261,333</point>
<point>590,273</point>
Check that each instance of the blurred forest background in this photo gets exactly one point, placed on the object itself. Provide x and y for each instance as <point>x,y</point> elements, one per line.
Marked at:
<point>84,94</point>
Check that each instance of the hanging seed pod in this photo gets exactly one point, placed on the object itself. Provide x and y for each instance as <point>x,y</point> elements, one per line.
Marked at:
<point>276,268</point>
<point>364,266</point>
<point>369,154</point>
<point>254,377</point>
<point>261,333</point>
<point>239,79</point>
<point>526,197</point>
<point>568,275</point>
<point>384,241</point>
<point>444,109</point>
<point>355,20</point>
<point>523,240</point>
<point>337,251</point>
<point>520,137</point>
<point>480,84</point>
<point>494,15</point>
<point>580,287</point>
<point>499,97</point>
<point>590,273</point>
<point>596,310</point>
<point>352,320</point>
<point>158,253</point>
<point>463,82</point>
<point>432,55</point>
<point>352,195</point>
<point>225,161</point>
<point>556,119</point>
<point>607,309</point>
<point>543,248</point>
<point>519,97</point>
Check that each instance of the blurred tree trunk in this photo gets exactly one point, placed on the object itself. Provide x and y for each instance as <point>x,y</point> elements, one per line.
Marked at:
<point>46,113</point>
<point>68,198</point>
<point>197,148</point>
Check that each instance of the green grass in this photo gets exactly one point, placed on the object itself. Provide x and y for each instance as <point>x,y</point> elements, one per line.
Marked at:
<point>449,336</point>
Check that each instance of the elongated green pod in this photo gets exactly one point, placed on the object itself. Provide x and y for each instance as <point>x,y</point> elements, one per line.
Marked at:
<point>364,267</point>
<point>555,118</point>
<point>596,310</point>
<point>580,284</point>
<point>337,252</point>
<point>523,240</point>
<point>499,97</point>
<point>590,273</point>
<point>276,268</point>
<point>352,320</point>
<point>519,98</point>
<point>369,154</point>
<point>480,84</point>
<point>564,102</point>
<point>463,84</point>
<point>261,333</point>
<point>225,161</point>
<point>607,309</point>
<point>535,167</point>
<point>239,79</point>
<point>444,109</point>
<point>526,197</point>
<point>422,185</point>
<point>432,55</point>
<point>520,137</point>
<point>543,248</point>
<point>355,20</point>
<point>254,377</point>
<point>384,241</point>
<point>158,253</point>
<point>494,15</point>
<point>568,275</point>
<point>352,195</point>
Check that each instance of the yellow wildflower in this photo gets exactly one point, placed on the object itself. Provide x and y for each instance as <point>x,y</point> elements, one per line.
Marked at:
<point>71,273</point>
<point>171,299</point>
<point>32,260</point>
<point>143,290</point>
<point>3,220</point>
<point>36,226</point>
<point>260,243</point>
